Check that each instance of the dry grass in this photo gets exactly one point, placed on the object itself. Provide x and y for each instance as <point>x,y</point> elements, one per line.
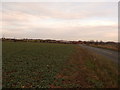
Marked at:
<point>86,69</point>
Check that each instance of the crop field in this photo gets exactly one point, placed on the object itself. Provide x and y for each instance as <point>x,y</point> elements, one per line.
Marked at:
<point>47,65</point>
<point>33,64</point>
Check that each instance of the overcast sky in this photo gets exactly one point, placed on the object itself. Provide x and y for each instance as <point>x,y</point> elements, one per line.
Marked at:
<point>67,21</point>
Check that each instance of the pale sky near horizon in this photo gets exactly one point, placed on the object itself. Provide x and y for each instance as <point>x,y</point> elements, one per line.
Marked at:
<point>66,21</point>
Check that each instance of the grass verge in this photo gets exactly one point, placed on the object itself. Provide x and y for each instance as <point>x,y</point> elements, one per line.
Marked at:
<point>86,69</point>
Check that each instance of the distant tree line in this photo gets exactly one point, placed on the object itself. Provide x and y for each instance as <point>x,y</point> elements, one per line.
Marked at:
<point>58,41</point>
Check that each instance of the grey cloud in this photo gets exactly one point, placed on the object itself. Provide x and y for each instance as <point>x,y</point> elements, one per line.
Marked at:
<point>18,18</point>
<point>64,10</point>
